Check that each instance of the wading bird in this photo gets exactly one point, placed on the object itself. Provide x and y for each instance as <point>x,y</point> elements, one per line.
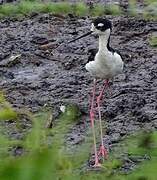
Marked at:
<point>106,64</point>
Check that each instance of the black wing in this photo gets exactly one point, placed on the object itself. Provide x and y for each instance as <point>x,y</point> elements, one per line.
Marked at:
<point>92,52</point>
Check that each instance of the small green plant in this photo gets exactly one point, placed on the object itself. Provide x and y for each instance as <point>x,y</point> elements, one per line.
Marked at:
<point>153,41</point>
<point>6,111</point>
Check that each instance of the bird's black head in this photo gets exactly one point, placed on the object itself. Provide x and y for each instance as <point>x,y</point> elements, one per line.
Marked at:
<point>101,24</point>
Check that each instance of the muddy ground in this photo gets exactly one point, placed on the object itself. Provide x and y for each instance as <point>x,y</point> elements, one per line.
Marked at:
<point>52,75</point>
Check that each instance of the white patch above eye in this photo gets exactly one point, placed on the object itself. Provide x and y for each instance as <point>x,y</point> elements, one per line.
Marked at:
<point>100,25</point>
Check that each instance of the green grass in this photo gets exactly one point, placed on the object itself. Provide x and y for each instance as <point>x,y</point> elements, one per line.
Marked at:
<point>98,10</point>
<point>148,2</point>
<point>6,111</point>
<point>55,8</point>
<point>153,41</point>
<point>150,11</point>
<point>27,7</point>
<point>132,8</point>
<point>48,156</point>
<point>79,9</point>
<point>113,10</point>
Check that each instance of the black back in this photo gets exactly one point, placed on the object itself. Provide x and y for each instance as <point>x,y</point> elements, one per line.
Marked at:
<point>109,47</point>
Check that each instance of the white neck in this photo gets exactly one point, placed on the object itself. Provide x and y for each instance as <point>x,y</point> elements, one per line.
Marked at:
<point>103,40</point>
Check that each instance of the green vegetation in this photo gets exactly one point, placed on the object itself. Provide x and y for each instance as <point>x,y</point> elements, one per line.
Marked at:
<point>143,144</point>
<point>153,41</point>
<point>27,7</point>
<point>99,10</point>
<point>113,9</point>
<point>47,155</point>
<point>148,2</point>
<point>132,8</point>
<point>79,9</point>
<point>148,11</point>
<point>6,111</point>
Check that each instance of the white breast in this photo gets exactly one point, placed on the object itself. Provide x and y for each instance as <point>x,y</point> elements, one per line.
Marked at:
<point>105,65</point>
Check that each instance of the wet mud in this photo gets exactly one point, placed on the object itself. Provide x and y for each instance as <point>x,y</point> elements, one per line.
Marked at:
<point>36,72</point>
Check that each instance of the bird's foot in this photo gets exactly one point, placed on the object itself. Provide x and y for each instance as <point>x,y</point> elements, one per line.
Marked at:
<point>97,165</point>
<point>103,152</point>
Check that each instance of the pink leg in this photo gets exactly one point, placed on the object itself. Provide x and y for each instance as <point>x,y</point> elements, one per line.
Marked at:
<point>102,151</point>
<point>92,125</point>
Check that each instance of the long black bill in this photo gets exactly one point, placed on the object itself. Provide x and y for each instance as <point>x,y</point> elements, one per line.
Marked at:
<point>84,35</point>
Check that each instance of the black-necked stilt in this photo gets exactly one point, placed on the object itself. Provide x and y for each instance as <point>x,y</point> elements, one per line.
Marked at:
<point>106,64</point>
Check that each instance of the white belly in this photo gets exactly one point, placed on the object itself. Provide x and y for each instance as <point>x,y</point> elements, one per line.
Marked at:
<point>105,65</point>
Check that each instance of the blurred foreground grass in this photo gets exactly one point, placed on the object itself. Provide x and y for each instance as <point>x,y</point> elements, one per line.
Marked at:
<point>46,155</point>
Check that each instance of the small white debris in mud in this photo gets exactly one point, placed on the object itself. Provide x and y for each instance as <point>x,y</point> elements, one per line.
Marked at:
<point>62,108</point>
<point>14,57</point>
